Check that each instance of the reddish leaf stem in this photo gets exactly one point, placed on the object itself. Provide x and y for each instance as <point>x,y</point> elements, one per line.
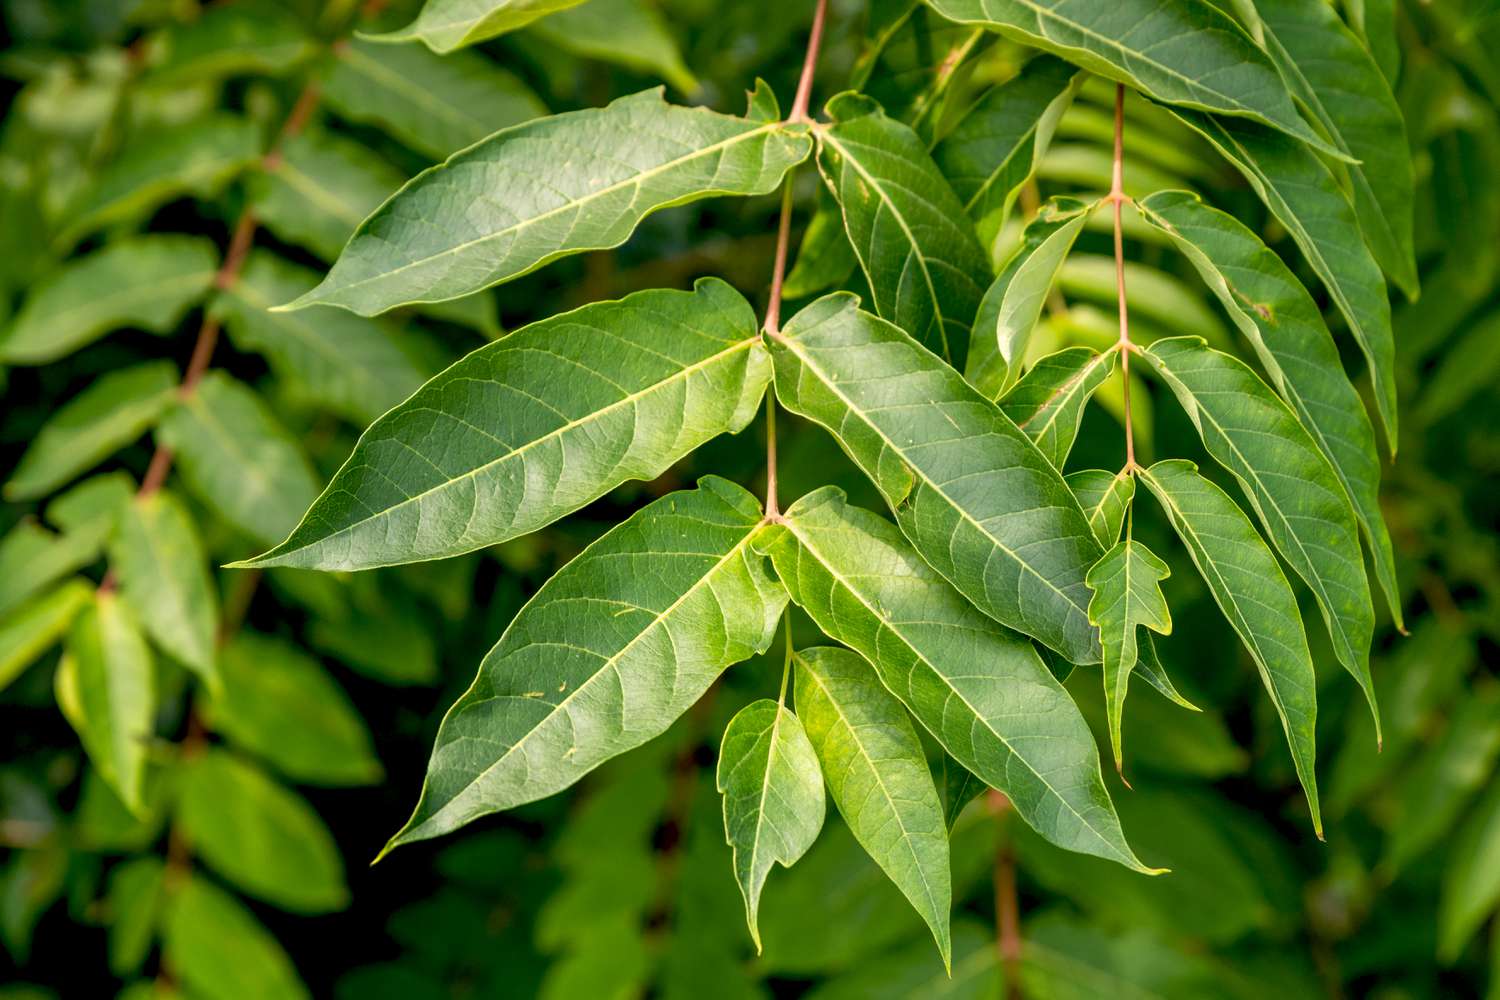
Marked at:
<point>1117,199</point>
<point>1007,902</point>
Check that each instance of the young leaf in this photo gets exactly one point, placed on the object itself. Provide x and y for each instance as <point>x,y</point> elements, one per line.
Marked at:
<point>1047,403</point>
<point>216,947</point>
<point>1471,877</point>
<point>1284,325</point>
<point>164,577</point>
<point>259,835</point>
<point>445,25</point>
<point>980,689</point>
<point>143,281</point>
<point>581,402</point>
<point>1290,483</point>
<point>1105,497</point>
<point>1182,52</point>
<point>434,105</point>
<point>907,227</point>
<point>505,207</point>
<point>996,146</point>
<point>238,458</point>
<point>106,687</point>
<point>30,630</point>
<point>630,33</point>
<point>1127,593</point>
<point>877,772</point>
<point>773,796</point>
<point>1249,587</point>
<point>973,493</point>
<point>607,655</point>
<point>1013,302</point>
<point>112,412</point>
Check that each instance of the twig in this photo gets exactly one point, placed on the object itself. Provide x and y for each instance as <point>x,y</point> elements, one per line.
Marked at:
<point>809,64</point>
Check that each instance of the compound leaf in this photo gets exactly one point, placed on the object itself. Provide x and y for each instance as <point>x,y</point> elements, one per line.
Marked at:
<point>1126,583</point>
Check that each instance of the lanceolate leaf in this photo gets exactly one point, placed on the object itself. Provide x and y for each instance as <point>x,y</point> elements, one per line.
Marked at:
<point>773,796</point>
<point>1289,482</point>
<point>1249,587</point>
<point>216,948</point>
<point>1013,303</point>
<point>1333,75</point>
<point>607,655</point>
<point>143,281</point>
<point>1105,497</point>
<point>535,425</point>
<point>996,145</point>
<point>1047,403</point>
<point>1183,52</point>
<point>878,775</point>
<point>1282,322</point>
<point>1304,196</point>
<point>973,493</point>
<point>508,205</point>
<point>445,25</point>
<point>1127,593</point>
<point>908,229</point>
<point>980,689</point>
<point>112,412</point>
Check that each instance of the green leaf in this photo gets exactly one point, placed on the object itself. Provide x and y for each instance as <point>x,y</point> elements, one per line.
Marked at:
<point>1249,587</point>
<point>197,158</point>
<point>32,558</point>
<point>1105,497</point>
<point>106,687</point>
<point>259,834</point>
<point>1290,484</point>
<point>996,146</point>
<point>1183,52</point>
<point>773,796</point>
<point>281,705</point>
<point>87,511</point>
<point>907,227</point>
<point>1047,403</point>
<point>1283,324</point>
<point>30,630</point>
<point>357,367</point>
<point>141,281</point>
<point>163,575</point>
<point>318,188</point>
<point>1305,198</point>
<point>1337,80</point>
<point>445,25</point>
<point>960,787</point>
<point>1471,876</point>
<point>582,402</point>
<point>233,453</point>
<point>1468,366</point>
<point>824,259</point>
<point>239,39</point>
<point>630,33</point>
<point>113,411</point>
<point>434,105</point>
<point>134,906</point>
<point>1126,583</point>
<point>508,205</point>
<point>980,689</point>
<point>973,493</point>
<point>217,948</point>
<point>607,655</point>
<point>877,772</point>
<point>1013,303</point>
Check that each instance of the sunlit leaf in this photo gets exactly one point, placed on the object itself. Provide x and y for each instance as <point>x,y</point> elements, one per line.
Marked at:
<point>1047,403</point>
<point>445,25</point>
<point>1104,496</point>
<point>31,629</point>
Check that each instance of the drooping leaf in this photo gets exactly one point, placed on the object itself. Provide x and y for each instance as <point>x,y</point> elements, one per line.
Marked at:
<point>217,948</point>
<point>1184,52</point>
<point>1249,587</point>
<point>980,689</point>
<point>238,39</point>
<point>878,776</point>
<point>236,456</point>
<point>445,25</point>
<point>433,104</point>
<point>258,834</point>
<point>630,33</point>
<point>357,367</point>
<point>1105,497</point>
<point>106,687</point>
<point>1047,403</point>
<point>580,402</point>
<point>496,211</point>
<point>824,259</point>
<point>996,146</point>
<point>143,281</point>
<point>1337,80</point>
<point>1471,876</point>
<point>1013,303</point>
<point>31,629</point>
<point>908,229</point>
<point>112,412</point>
<point>1126,583</point>
<point>973,493</point>
<point>607,655</point>
<point>773,796</point>
<point>1290,483</point>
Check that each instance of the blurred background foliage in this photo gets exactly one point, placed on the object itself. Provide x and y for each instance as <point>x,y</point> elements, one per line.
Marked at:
<point>138,134</point>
